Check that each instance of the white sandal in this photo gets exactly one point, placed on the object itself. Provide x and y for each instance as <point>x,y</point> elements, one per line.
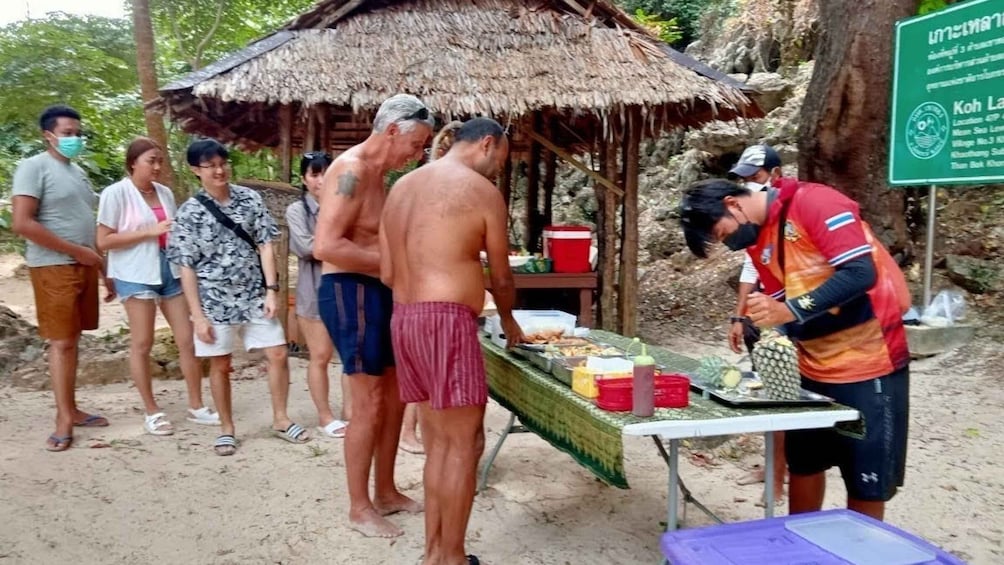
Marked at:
<point>203,416</point>
<point>335,429</point>
<point>155,424</point>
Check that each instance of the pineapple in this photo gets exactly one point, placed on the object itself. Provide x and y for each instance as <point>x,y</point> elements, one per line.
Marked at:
<point>719,373</point>
<point>776,360</point>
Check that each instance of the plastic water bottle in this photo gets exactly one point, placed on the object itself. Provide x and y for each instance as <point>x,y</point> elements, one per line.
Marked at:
<point>643,387</point>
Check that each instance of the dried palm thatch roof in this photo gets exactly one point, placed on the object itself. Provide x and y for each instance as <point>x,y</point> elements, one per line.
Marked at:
<point>504,58</point>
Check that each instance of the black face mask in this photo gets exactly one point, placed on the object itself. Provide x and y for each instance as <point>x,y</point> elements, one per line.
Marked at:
<point>745,236</point>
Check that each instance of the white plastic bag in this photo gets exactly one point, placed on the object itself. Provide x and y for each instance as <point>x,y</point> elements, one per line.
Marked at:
<point>947,308</point>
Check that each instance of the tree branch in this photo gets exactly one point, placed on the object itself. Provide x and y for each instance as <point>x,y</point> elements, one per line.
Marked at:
<point>175,30</point>
<point>212,31</point>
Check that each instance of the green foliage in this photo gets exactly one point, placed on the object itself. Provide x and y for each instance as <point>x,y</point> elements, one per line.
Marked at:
<point>928,6</point>
<point>666,30</point>
<point>193,33</point>
<point>685,14</point>
<point>85,62</point>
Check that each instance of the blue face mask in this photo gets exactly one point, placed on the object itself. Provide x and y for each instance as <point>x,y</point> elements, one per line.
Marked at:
<point>69,147</point>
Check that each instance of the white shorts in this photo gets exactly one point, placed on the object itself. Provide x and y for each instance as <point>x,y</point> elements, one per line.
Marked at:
<point>256,334</point>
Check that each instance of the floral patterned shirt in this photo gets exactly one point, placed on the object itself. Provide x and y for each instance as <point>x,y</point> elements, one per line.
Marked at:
<point>230,282</point>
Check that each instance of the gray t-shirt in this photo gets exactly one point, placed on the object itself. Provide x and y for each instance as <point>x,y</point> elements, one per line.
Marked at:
<point>66,204</point>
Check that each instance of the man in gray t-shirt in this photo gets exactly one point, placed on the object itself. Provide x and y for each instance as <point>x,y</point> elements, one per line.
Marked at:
<point>54,210</point>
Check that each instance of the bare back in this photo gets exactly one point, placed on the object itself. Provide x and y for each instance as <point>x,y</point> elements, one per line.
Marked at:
<point>435,223</point>
<point>351,202</point>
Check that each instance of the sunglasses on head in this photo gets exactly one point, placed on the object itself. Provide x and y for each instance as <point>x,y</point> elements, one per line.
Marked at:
<point>316,155</point>
<point>421,114</point>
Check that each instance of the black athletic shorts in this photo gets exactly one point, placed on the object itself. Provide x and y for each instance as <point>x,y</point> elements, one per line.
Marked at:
<point>871,452</point>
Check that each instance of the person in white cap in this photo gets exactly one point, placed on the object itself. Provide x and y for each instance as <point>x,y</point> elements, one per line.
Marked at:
<point>758,167</point>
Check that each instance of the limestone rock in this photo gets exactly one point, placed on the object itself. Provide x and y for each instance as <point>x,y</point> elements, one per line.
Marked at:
<point>772,90</point>
<point>975,275</point>
<point>19,341</point>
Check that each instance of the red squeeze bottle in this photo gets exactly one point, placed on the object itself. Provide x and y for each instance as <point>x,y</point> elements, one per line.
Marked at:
<point>643,387</point>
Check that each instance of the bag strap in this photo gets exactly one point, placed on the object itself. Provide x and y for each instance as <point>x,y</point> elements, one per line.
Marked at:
<point>225,220</point>
<point>228,223</point>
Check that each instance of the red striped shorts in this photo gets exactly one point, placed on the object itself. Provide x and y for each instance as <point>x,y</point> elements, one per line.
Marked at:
<point>438,355</point>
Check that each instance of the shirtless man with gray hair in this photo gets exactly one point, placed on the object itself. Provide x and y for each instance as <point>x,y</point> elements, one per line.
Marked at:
<point>356,307</point>
<point>436,222</point>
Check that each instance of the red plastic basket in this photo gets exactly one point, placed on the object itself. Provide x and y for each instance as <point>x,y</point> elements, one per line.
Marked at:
<point>672,391</point>
<point>616,395</point>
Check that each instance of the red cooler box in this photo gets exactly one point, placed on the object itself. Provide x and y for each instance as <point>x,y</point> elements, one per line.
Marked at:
<point>568,247</point>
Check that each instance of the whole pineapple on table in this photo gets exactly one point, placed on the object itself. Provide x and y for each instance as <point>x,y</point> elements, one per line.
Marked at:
<point>776,361</point>
<point>719,373</point>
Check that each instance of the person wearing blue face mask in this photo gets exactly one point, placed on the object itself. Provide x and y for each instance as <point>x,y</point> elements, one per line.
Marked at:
<point>53,209</point>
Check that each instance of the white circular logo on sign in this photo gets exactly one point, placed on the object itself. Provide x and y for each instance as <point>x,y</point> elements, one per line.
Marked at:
<point>927,130</point>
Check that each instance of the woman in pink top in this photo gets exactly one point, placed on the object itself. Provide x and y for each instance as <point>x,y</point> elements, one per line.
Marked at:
<point>134,217</point>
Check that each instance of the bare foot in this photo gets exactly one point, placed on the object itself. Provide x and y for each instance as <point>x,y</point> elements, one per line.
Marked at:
<point>411,445</point>
<point>372,525</point>
<point>397,503</point>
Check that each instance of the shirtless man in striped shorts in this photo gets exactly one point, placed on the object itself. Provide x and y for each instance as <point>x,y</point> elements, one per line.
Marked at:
<point>436,221</point>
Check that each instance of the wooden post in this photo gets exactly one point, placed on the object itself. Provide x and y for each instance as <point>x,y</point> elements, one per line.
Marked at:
<point>286,141</point>
<point>310,138</point>
<point>607,237</point>
<point>532,234</point>
<point>282,246</point>
<point>505,182</point>
<point>603,312</point>
<point>323,128</point>
<point>628,294</point>
<point>550,174</point>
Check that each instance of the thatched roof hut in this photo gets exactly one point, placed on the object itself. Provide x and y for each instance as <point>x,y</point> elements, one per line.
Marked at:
<point>504,58</point>
<point>570,76</point>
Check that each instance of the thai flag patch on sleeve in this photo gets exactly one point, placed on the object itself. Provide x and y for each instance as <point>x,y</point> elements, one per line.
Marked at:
<point>840,220</point>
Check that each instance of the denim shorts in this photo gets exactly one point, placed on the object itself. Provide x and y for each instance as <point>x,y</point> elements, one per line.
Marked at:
<point>168,288</point>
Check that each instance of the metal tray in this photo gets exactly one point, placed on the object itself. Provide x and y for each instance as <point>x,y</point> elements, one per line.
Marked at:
<point>756,398</point>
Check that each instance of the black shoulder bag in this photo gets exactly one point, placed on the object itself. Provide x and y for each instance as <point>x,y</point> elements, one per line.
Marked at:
<point>228,223</point>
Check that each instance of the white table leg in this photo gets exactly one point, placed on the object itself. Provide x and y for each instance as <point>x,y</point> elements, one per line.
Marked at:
<point>674,485</point>
<point>768,476</point>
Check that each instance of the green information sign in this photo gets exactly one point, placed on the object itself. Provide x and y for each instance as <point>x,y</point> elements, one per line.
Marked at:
<point>948,97</point>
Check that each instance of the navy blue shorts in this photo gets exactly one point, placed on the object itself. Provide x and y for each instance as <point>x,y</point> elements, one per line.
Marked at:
<point>871,452</point>
<point>357,309</point>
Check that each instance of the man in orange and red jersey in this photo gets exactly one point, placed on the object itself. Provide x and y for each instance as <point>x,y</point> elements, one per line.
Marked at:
<point>841,297</point>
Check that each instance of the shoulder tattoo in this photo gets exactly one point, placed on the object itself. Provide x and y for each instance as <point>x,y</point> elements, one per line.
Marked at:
<point>347,182</point>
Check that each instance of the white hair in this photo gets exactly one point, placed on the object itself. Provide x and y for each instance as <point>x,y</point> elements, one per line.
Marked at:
<point>396,110</point>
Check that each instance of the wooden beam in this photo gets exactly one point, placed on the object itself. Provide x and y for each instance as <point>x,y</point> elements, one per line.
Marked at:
<point>571,160</point>
<point>286,141</point>
<point>532,232</point>
<point>323,128</point>
<point>628,293</point>
<point>550,174</point>
<point>310,138</point>
<point>340,13</point>
<point>607,238</point>
<point>505,182</point>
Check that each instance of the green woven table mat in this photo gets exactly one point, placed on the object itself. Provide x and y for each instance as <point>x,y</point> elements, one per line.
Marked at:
<point>575,425</point>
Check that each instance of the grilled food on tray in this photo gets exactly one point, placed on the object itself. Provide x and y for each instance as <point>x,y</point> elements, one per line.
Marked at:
<point>552,337</point>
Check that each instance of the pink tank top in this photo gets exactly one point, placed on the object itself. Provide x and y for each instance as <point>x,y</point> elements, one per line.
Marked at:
<point>161,216</point>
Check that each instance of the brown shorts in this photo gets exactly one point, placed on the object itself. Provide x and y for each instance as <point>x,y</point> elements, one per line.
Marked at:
<point>66,300</point>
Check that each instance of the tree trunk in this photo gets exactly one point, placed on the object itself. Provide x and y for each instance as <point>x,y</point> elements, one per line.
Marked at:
<point>844,133</point>
<point>147,70</point>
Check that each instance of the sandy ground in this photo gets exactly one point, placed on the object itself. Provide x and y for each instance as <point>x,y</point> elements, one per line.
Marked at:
<point>120,496</point>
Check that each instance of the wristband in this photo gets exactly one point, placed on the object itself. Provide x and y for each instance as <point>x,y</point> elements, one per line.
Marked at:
<point>739,319</point>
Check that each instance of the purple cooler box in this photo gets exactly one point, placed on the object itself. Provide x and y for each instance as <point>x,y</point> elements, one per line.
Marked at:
<point>830,537</point>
